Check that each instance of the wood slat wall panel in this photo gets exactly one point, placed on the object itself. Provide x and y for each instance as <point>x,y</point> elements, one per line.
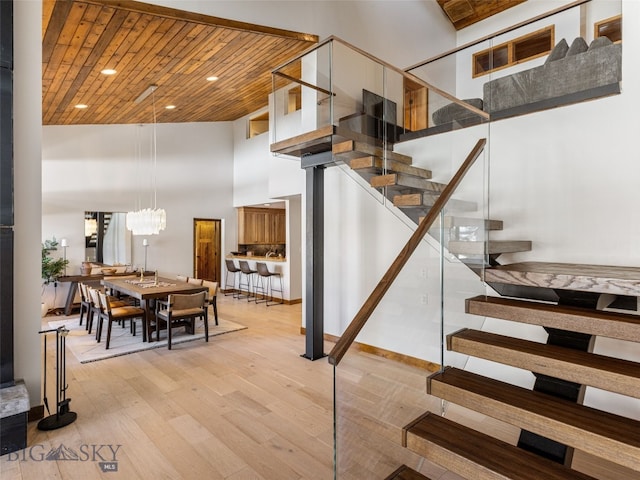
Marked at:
<point>147,45</point>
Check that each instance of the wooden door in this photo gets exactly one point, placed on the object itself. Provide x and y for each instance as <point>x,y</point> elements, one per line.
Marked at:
<point>207,249</point>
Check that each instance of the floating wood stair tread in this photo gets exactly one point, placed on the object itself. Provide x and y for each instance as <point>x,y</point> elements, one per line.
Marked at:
<point>493,247</point>
<point>406,473</point>
<point>477,456</point>
<point>569,276</point>
<point>350,149</point>
<point>593,322</point>
<point>317,141</point>
<point>373,164</point>
<point>402,180</point>
<point>427,200</point>
<point>599,433</point>
<point>607,373</point>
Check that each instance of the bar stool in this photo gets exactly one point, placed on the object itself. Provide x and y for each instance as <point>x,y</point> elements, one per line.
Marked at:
<point>233,270</point>
<point>247,272</point>
<point>264,278</point>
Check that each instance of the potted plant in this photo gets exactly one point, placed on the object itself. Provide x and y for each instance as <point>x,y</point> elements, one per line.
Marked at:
<point>52,268</point>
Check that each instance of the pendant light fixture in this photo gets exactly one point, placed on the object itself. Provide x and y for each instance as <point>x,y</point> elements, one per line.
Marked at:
<point>149,221</point>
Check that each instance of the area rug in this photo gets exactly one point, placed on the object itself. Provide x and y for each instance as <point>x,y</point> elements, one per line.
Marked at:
<point>85,348</point>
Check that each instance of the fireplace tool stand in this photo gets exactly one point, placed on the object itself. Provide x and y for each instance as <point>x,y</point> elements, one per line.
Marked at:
<point>63,416</point>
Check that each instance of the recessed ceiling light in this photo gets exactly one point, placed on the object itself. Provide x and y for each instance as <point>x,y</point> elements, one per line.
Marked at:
<point>108,71</point>
<point>213,78</point>
<point>81,106</point>
<point>170,107</point>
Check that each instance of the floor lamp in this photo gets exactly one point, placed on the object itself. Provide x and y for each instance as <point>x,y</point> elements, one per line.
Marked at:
<point>64,245</point>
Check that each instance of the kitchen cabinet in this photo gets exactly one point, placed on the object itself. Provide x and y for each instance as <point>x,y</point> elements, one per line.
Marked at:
<point>261,226</point>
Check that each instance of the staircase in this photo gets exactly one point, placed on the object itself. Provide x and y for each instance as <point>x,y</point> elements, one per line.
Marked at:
<point>551,416</point>
<point>611,437</point>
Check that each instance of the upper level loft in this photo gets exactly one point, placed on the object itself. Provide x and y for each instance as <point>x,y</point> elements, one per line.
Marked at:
<point>571,54</point>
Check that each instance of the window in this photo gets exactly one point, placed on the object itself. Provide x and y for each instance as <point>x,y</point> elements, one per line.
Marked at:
<point>518,50</point>
<point>258,124</point>
<point>610,28</point>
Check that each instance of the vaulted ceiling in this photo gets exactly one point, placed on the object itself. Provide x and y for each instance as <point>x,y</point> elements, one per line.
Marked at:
<point>150,45</point>
<point>463,13</point>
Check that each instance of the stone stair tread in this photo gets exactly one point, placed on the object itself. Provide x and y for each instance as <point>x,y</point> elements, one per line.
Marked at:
<point>376,165</point>
<point>403,180</point>
<point>427,200</point>
<point>406,473</point>
<point>603,434</point>
<point>592,322</point>
<point>607,373</point>
<point>474,455</point>
<point>569,276</point>
<point>350,149</point>
<point>492,247</point>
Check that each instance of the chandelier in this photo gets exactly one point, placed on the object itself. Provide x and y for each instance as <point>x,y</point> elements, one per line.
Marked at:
<point>148,221</point>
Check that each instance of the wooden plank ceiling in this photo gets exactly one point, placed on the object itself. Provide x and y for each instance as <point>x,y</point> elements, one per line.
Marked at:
<point>151,45</point>
<point>463,13</point>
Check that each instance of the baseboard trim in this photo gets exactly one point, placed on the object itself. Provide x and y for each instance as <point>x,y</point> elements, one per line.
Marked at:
<point>388,354</point>
<point>35,413</point>
<point>260,296</point>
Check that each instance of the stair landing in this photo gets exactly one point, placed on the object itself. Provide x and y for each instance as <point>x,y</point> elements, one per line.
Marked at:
<point>569,276</point>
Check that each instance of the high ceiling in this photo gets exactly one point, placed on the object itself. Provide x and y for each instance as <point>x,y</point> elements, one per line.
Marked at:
<point>151,45</point>
<point>463,13</point>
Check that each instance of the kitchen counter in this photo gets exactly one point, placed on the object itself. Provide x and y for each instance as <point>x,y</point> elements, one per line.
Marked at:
<point>257,258</point>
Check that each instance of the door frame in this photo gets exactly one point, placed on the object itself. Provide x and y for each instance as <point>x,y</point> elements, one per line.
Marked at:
<point>217,266</point>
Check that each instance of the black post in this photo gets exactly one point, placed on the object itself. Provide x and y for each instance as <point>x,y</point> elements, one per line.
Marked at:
<point>6,195</point>
<point>314,166</point>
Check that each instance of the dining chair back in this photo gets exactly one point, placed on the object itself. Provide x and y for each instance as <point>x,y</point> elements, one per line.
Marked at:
<point>182,278</point>
<point>182,310</point>
<point>194,281</point>
<point>119,313</point>
<point>212,295</point>
<point>85,302</point>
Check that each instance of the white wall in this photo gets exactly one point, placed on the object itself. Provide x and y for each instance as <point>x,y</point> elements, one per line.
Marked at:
<point>94,167</point>
<point>27,112</point>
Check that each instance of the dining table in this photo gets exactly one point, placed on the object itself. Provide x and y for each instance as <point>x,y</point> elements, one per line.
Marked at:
<point>148,289</point>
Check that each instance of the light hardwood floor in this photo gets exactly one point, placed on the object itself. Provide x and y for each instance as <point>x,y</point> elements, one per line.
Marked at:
<point>243,406</point>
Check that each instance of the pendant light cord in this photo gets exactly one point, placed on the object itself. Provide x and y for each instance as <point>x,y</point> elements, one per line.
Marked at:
<point>155,154</point>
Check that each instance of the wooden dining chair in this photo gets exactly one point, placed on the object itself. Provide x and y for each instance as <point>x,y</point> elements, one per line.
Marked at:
<point>182,278</point>
<point>94,310</point>
<point>194,281</point>
<point>212,296</point>
<point>85,303</point>
<point>117,314</point>
<point>181,310</point>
